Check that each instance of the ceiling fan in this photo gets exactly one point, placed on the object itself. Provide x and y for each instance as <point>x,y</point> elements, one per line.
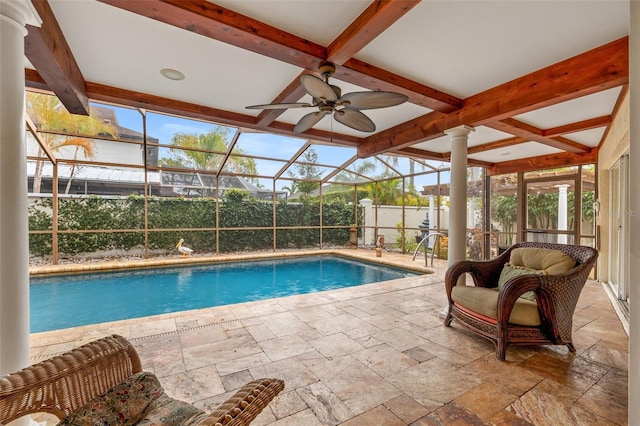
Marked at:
<point>328,99</point>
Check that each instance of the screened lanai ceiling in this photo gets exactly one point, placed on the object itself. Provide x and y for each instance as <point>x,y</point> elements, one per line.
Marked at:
<point>539,81</point>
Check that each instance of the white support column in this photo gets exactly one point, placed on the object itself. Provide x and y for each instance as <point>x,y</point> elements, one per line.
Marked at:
<point>458,193</point>
<point>562,212</point>
<point>432,211</point>
<point>14,226</point>
<point>369,222</point>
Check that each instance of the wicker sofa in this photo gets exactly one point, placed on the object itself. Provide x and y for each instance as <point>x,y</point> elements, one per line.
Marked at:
<point>102,382</point>
<point>525,296</point>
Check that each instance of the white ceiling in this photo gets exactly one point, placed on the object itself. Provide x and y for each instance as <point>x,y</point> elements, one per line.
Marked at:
<point>459,47</point>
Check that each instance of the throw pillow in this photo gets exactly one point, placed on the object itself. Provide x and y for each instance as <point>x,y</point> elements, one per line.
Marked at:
<point>123,404</point>
<point>509,271</point>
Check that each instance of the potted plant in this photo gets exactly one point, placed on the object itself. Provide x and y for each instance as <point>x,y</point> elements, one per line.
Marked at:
<point>353,235</point>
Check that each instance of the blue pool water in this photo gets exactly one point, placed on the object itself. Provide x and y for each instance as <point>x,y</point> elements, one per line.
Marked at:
<point>72,300</point>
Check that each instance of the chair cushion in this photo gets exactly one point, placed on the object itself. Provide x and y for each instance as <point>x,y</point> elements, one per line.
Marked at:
<point>551,261</point>
<point>485,302</point>
<point>509,271</point>
<point>123,404</point>
<point>139,399</point>
<point>166,411</point>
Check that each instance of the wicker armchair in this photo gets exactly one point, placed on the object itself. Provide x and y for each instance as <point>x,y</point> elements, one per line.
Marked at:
<point>64,384</point>
<point>556,297</point>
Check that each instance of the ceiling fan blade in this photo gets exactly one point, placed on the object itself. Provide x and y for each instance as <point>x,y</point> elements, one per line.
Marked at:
<point>280,106</point>
<point>317,88</point>
<point>354,119</point>
<point>309,120</point>
<point>371,100</point>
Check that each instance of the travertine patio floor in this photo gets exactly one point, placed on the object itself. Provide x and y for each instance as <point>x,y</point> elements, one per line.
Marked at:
<point>377,354</point>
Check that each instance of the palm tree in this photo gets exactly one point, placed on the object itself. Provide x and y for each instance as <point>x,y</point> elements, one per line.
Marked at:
<point>363,168</point>
<point>205,152</point>
<point>293,188</point>
<point>49,114</point>
<point>394,161</point>
<point>387,192</point>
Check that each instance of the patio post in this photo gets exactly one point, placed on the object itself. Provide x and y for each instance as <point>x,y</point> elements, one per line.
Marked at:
<point>562,212</point>
<point>368,222</point>
<point>14,225</point>
<point>432,211</point>
<point>458,193</point>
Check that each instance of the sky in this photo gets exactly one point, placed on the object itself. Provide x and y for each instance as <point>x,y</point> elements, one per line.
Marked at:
<point>163,127</point>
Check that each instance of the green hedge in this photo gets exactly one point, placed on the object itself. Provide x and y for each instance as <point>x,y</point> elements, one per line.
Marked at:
<point>170,219</point>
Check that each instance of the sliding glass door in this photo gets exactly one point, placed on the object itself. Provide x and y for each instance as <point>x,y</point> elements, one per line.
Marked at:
<point>618,225</point>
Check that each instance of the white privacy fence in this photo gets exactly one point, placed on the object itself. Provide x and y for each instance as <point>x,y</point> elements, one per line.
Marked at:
<point>386,219</point>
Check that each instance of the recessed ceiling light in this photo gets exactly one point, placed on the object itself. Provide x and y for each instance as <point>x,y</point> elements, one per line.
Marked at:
<point>172,74</point>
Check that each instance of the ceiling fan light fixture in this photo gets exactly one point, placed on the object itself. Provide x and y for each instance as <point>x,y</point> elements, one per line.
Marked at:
<point>328,99</point>
<point>327,69</point>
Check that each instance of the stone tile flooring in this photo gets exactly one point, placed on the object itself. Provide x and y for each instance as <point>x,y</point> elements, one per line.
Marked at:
<point>377,354</point>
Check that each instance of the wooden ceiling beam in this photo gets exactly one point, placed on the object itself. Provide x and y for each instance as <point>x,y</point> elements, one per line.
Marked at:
<point>596,70</point>
<point>376,18</point>
<point>292,93</point>
<point>210,20</point>
<point>213,21</point>
<point>527,131</point>
<point>502,143</point>
<point>592,123</point>
<point>599,69</point>
<point>48,51</point>
<point>373,78</point>
<point>561,159</point>
<point>114,95</point>
<point>474,163</point>
<point>109,94</point>
<point>421,153</point>
<point>438,156</point>
<point>34,80</point>
<point>622,96</point>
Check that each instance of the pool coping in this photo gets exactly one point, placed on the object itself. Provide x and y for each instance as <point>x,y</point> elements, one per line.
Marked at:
<point>47,343</point>
<point>367,255</point>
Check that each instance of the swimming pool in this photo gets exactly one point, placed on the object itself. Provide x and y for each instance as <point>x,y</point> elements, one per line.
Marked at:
<point>73,300</point>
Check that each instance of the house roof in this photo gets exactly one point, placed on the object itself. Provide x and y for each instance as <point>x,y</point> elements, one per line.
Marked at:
<point>109,116</point>
<point>539,81</point>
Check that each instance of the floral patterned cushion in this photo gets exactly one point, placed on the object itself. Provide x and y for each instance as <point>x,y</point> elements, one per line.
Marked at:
<point>166,411</point>
<point>138,400</point>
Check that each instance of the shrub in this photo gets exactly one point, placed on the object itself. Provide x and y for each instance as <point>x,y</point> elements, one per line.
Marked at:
<point>194,219</point>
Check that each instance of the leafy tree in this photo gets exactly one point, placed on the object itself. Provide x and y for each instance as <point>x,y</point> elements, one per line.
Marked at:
<point>308,172</point>
<point>504,210</point>
<point>49,114</point>
<point>542,211</point>
<point>412,198</point>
